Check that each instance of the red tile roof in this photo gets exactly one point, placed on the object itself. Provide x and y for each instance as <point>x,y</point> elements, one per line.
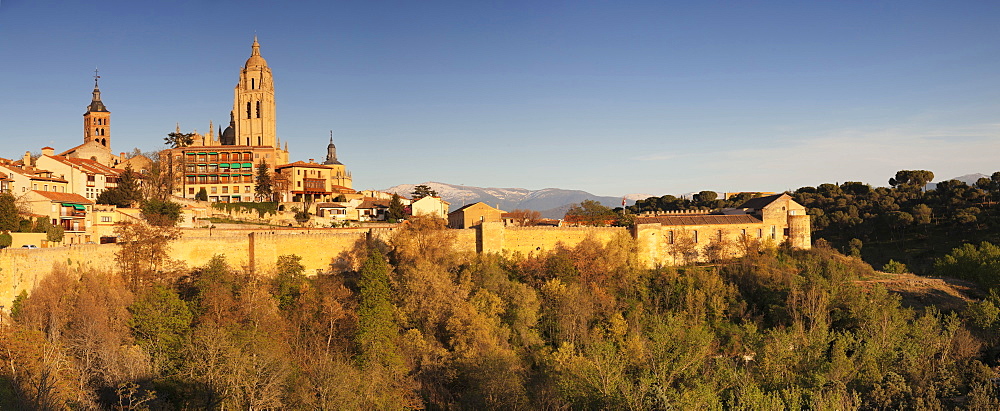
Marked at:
<point>703,219</point>
<point>88,166</point>
<point>64,197</point>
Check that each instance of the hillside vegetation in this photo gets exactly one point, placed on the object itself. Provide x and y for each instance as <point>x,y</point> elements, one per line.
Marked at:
<point>411,323</point>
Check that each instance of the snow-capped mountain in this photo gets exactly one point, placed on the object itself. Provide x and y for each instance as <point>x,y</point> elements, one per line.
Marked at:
<point>551,202</point>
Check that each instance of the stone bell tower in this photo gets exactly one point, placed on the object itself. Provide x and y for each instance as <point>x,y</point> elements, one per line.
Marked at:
<point>253,105</point>
<point>97,119</point>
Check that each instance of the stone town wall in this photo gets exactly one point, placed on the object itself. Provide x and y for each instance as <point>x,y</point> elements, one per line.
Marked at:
<point>22,269</point>
<point>527,240</point>
<point>259,250</point>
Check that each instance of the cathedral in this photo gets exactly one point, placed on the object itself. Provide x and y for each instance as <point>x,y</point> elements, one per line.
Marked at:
<point>224,164</point>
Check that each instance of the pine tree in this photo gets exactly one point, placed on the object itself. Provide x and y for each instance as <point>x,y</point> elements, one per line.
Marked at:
<point>263,187</point>
<point>377,329</point>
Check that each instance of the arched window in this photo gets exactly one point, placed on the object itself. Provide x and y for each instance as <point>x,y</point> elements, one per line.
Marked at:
<point>258,109</point>
<point>97,131</point>
<point>253,83</point>
<point>248,109</point>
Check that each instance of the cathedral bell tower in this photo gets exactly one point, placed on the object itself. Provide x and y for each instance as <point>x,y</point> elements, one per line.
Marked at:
<point>97,119</point>
<point>253,105</point>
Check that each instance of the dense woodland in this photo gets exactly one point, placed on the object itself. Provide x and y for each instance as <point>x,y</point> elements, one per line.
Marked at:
<point>411,323</point>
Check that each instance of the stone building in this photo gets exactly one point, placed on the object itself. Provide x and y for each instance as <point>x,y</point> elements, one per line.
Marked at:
<point>685,237</point>
<point>474,214</point>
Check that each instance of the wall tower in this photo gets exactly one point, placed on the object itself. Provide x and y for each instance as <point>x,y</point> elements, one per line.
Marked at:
<point>97,119</point>
<point>253,105</point>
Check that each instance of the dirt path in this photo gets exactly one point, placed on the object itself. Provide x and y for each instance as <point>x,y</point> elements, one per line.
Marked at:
<point>948,294</point>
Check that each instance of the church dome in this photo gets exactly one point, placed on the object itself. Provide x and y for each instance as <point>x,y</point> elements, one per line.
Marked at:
<point>255,59</point>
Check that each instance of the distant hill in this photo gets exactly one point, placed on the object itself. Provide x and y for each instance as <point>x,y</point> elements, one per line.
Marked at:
<point>551,202</point>
<point>969,179</point>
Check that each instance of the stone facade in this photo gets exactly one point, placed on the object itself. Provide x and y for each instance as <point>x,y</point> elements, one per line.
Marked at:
<point>474,214</point>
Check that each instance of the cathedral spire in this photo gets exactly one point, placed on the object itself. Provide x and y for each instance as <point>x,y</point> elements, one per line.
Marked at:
<point>331,152</point>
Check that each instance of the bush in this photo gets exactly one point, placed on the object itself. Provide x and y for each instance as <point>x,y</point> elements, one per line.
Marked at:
<point>6,240</point>
<point>895,267</point>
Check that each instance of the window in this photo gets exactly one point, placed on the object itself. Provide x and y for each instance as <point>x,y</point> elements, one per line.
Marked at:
<point>720,235</point>
<point>236,189</point>
<point>105,219</point>
<point>225,190</point>
<point>774,233</point>
<point>246,189</point>
<point>760,233</point>
<point>258,109</point>
<point>253,83</point>
<point>213,190</point>
<point>191,190</point>
<point>696,236</point>
<point>248,109</point>
<point>670,237</point>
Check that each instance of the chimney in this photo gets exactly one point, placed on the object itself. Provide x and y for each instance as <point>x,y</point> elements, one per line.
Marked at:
<point>48,151</point>
<point>311,160</point>
<point>27,159</point>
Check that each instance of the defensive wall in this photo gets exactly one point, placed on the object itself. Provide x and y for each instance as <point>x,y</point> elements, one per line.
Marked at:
<point>258,250</point>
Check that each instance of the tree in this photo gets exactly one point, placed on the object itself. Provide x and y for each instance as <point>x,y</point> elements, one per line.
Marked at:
<point>396,212</point>
<point>422,191</point>
<point>113,196</point>
<point>9,219</point>
<point>263,188</point>
<point>202,195</point>
<point>54,233</point>
<point>590,212</point>
<point>377,329</point>
<point>911,179</point>
<point>128,184</point>
<point>175,140</point>
<point>6,239</point>
<point>160,322</point>
<point>525,218</point>
<point>707,196</point>
<point>178,140</point>
<point>163,213</point>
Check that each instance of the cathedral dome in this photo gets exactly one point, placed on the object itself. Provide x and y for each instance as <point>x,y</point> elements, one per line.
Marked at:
<point>255,59</point>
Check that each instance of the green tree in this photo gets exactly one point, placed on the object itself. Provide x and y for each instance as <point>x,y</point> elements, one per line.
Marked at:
<point>289,280</point>
<point>6,240</point>
<point>263,187</point>
<point>164,213</point>
<point>979,264</point>
<point>377,329</point>
<point>54,233</point>
<point>114,196</point>
<point>590,212</point>
<point>707,196</point>
<point>396,211</point>
<point>161,323</point>
<point>178,140</point>
<point>422,191</point>
<point>911,179</point>
<point>202,195</point>
<point>9,218</point>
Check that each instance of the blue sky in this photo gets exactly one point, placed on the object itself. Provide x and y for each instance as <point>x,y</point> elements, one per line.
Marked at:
<point>652,97</point>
